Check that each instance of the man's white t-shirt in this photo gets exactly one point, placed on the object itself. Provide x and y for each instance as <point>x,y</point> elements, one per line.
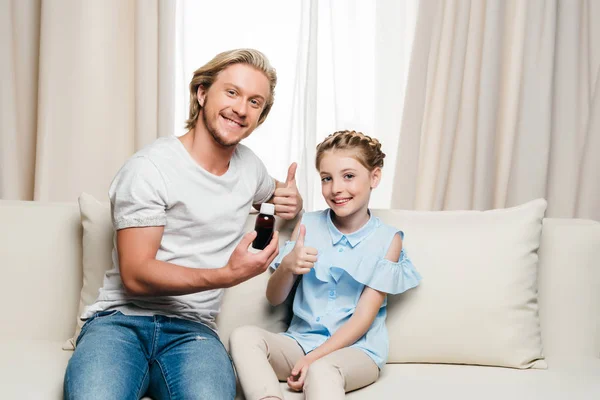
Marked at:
<point>203,217</point>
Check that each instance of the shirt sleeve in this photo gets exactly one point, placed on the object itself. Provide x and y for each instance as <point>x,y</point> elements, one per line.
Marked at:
<point>138,195</point>
<point>390,277</point>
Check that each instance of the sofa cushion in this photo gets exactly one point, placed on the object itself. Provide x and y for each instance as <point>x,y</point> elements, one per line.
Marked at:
<point>423,381</point>
<point>465,382</point>
<point>436,381</point>
<point>34,369</point>
<point>477,302</point>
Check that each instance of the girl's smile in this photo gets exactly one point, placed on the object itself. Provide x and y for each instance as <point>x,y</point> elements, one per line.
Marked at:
<point>346,187</point>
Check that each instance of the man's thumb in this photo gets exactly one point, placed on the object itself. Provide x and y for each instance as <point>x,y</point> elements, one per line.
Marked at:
<point>301,235</point>
<point>291,176</point>
<point>247,239</point>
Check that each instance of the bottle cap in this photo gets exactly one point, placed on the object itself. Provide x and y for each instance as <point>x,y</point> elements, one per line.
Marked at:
<point>267,208</point>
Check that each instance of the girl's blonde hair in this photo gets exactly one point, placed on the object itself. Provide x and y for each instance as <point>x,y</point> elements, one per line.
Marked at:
<point>207,74</point>
<point>367,150</point>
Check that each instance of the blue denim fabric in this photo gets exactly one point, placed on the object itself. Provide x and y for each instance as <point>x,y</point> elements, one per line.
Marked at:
<point>128,357</point>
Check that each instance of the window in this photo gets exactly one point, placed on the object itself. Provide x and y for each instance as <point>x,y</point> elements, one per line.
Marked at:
<point>340,65</point>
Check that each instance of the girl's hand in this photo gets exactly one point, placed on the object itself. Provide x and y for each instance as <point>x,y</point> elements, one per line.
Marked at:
<point>296,380</point>
<point>302,259</point>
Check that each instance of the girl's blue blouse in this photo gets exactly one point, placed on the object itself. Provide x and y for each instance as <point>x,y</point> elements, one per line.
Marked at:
<point>328,295</point>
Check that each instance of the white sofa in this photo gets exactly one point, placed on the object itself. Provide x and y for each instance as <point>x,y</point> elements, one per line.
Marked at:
<point>41,275</point>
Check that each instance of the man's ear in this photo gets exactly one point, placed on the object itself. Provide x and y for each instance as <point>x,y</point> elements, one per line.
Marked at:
<point>375,177</point>
<point>201,94</point>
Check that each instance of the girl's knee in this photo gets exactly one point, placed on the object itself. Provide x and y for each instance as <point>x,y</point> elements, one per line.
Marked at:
<point>324,381</point>
<point>323,369</point>
<point>246,336</point>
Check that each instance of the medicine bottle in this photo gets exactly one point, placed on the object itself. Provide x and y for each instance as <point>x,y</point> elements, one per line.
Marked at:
<point>265,222</point>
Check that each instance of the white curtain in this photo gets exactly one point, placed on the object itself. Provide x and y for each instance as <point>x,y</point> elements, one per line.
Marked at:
<point>503,107</point>
<point>84,84</point>
<point>19,45</point>
<point>341,65</point>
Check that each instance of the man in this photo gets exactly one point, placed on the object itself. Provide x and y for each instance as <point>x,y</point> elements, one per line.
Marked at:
<point>179,207</point>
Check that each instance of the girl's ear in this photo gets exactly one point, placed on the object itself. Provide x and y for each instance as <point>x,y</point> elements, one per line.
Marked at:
<point>201,94</point>
<point>375,177</point>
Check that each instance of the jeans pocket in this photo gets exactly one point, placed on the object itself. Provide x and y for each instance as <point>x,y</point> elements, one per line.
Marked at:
<point>97,316</point>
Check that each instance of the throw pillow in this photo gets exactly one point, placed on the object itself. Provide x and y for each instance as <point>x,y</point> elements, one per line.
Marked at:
<point>97,243</point>
<point>477,302</point>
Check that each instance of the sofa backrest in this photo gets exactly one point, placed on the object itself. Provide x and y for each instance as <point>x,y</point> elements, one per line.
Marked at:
<point>569,288</point>
<point>41,256</point>
<point>40,269</point>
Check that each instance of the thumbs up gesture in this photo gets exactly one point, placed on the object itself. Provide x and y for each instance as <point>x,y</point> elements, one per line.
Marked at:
<point>286,198</point>
<point>301,259</point>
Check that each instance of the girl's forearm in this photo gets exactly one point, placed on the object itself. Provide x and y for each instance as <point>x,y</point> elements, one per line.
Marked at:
<point>279,286</point>
<point>359,323</point>
<point>346,336</point>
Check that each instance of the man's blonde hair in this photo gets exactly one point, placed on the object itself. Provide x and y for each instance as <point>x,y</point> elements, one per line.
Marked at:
<point>206,75</point>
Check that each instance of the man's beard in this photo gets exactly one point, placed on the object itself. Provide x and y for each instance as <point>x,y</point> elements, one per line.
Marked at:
<point>214,133</point>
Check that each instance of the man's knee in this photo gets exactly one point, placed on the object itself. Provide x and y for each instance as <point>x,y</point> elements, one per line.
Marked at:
<point>214,381</point>
<point>220,389</point>
<point>196,369</point>
<point>86,379</point>
<point>102,367</point>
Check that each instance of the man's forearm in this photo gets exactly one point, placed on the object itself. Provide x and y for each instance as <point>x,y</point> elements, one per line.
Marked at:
<point>159,278</point>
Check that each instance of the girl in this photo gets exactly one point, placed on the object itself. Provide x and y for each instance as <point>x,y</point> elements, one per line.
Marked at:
<point>349,261</point>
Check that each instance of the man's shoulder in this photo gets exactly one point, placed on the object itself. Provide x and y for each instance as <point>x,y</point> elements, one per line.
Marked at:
<point>248,163</point>
<point>154,154</point>
<point>245,153</point>
<point>148,160</point>
<point>158,147</point>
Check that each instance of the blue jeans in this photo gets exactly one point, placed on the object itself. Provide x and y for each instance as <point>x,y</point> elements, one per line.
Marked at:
<point>127,357</point>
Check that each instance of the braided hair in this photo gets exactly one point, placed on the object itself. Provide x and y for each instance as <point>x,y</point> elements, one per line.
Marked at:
<point>367,149</point>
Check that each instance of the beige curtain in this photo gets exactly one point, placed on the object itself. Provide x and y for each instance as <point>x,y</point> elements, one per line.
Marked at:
<point>84,84</point>
<point>502,106</point>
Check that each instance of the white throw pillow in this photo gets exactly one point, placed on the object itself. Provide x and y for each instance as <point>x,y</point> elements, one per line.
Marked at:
<point>97,244</point>
<point>477,302</point>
